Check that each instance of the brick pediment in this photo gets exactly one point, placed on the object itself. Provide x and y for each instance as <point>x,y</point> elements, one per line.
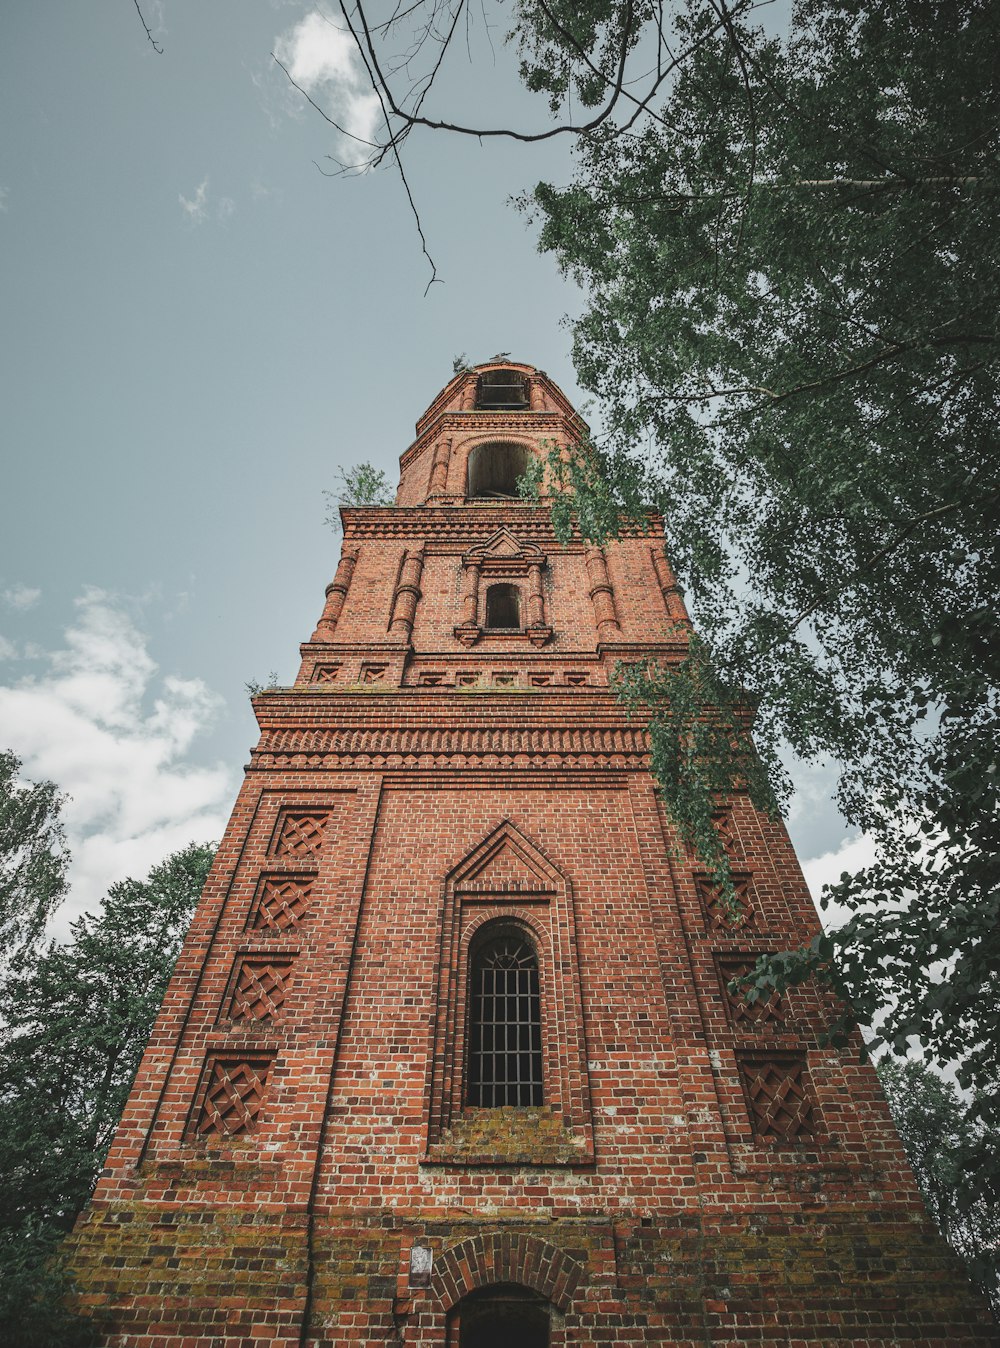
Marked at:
<point>506,863</point>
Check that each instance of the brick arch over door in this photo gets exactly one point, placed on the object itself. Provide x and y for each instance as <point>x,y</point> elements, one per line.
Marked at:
<point>505,1257</point>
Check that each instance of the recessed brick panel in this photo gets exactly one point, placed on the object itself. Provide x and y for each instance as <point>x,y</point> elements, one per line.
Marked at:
<point>282,901</point>
<point>781,1108</point>
<point>231,1095</point>
<point>258,987</point>
<point>726,914</point>
<point>300,833</point>
<point>766,1013</point>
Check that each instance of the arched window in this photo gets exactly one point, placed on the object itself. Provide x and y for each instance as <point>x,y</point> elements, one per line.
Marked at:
<point>501,1315</point>
<point>503,607</point>
<point>495,468</point>
<point>505,1022</point>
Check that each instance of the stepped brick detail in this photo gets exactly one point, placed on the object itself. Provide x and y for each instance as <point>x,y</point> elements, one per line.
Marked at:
<point>450,1050</point>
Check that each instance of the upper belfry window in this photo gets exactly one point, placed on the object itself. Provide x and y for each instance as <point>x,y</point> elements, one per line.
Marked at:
<point>503,607</point>
<point>495,468</point>
<point>502,391</point>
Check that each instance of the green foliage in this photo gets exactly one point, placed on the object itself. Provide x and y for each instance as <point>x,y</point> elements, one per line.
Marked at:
<point>75,1020</point>
<point>253,686</point>
<point>790,263</point>
<point>940,1133</point>
<point>33,856</point>
<point>362,485</point>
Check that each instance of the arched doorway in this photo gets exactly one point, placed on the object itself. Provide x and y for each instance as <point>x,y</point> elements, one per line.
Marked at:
<point>504,1315</point>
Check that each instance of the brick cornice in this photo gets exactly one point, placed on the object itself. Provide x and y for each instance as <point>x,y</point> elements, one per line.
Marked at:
<point>468,524</point>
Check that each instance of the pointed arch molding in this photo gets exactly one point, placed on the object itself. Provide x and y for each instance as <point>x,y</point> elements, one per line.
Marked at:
<point>505,1256</point>
<point>505,877</point>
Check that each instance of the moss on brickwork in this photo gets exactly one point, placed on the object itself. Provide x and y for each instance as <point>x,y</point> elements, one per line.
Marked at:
<point>212,1275</point>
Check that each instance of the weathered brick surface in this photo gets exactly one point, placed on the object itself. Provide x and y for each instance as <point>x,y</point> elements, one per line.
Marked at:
<point>696,1175</point>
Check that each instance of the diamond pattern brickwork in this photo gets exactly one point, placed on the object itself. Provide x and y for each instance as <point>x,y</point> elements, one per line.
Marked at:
<point>777,1095</point>
<point>233,1090</point>
<point>766,1013</point>
<point>326,673</point>
<point>282,900</point>
<point>722,914</point>
<point>300,833</point>
<point>259,988</point>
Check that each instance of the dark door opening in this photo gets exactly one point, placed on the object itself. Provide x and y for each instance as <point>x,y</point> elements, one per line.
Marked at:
<point>504,1316</point>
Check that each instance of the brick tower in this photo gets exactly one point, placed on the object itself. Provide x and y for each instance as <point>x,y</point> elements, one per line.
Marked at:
<point>448,1056</point>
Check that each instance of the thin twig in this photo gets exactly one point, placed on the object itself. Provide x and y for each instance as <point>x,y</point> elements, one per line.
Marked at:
<point>152,40</point>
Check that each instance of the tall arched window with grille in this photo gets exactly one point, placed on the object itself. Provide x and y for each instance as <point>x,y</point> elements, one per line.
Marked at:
<point>505,1021</point>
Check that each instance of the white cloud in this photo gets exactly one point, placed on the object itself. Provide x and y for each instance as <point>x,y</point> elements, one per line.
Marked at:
<point>116,736</point>
<point>8,651</point>
<point>200,208</point>
<point>3,200</point>
<point>195,207</point>
<point>853,855</point>
<point>323,60</point>
<point>20,597</point>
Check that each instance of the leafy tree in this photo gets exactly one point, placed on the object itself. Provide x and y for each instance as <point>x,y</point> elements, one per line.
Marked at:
<point>362,485</point>
<point>788,250</point>
<point>938,1129</point>
<point>75,1020</point>
<point>33,856</point>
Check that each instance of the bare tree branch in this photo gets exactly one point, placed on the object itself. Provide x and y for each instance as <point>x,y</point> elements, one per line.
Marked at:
<point>152,41</point>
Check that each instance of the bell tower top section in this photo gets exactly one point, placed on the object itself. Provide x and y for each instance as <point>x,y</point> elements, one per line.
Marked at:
<point>478,435</point>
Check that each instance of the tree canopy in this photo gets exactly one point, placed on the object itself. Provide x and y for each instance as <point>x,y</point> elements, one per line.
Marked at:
<point>33,856</point>
<point>74,1021</point>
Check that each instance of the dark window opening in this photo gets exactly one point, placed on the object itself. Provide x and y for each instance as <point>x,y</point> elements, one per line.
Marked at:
<point>502,1315</point>
<point>502,390</point>
<point>495,468</point>
<point>505,1024</point>
<point>503,607</point>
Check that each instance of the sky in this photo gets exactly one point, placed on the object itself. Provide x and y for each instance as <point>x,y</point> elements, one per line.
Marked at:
<point>197,330</point>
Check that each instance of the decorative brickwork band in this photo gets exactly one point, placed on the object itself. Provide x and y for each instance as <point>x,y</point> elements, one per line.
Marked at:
<point>336,593</point>
<point>282,901</point>
<point>232,1093</point>
<point>777,1095</point>
<point>673,597</point>
<point>406,595</point>
<point>259,988</point>
<point>506,1257</point>
<point>602,595</point>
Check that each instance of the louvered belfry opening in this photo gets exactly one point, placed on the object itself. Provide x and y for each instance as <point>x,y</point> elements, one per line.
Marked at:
<point>505,1023</point>
<point>502,391</point>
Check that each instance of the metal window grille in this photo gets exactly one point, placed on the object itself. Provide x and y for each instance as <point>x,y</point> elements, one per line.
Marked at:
<point>505,1026</point>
